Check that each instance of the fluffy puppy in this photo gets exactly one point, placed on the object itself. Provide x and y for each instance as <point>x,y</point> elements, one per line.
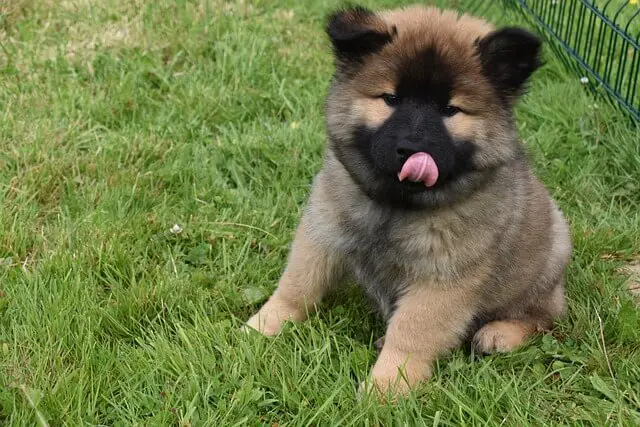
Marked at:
<point>425,195</point>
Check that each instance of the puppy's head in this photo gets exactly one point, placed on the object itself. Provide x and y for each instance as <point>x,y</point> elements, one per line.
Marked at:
<point>420,109</point>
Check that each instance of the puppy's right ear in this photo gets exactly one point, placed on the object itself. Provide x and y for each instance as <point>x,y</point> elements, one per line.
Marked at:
<point>356,32</point>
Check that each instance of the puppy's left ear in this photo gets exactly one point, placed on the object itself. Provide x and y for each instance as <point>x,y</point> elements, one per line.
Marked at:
<point>509,56</point>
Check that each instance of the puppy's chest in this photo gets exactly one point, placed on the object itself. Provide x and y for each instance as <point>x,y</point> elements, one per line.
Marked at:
<point>387,256</point>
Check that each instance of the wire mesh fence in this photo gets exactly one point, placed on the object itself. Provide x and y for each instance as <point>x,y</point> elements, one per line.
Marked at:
<point>597,39</point>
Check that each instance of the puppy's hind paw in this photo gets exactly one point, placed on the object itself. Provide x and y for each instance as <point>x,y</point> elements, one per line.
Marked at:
<point>502,336</point>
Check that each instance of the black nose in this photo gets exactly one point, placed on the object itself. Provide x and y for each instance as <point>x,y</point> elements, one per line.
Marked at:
<point>406,149</point>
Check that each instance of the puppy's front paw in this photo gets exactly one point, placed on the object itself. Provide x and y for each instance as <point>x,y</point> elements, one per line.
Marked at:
<point>274,314</point>
<point>387,389</point>
<point>396,373</point>
<point>266,322</point>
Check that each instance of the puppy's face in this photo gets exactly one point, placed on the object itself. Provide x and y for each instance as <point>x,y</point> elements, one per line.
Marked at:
<point>421,104</point>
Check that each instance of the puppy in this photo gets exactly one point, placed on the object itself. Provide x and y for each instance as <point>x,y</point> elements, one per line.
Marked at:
<point>425,195</point>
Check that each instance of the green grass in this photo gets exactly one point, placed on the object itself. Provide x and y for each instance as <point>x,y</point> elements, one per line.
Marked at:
<point>119,119</point>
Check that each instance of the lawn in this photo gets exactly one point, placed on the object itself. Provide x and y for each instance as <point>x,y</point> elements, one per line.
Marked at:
<point>154,160</point>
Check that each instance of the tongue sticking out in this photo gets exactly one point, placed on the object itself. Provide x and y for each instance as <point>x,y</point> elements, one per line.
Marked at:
<point>420,167</point>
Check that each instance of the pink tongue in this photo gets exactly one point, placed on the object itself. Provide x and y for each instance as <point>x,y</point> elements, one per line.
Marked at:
<point>420,167</point>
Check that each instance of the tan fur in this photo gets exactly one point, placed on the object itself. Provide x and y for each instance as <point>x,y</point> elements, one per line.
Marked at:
<point>503,336</point>
<point>418,332</point>
<point>447,259</point>
<point>371,111</point>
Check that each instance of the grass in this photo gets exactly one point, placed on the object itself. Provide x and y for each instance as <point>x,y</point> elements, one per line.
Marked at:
<point>120,119</point>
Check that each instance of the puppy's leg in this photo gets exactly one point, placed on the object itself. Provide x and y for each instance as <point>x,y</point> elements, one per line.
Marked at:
<point>427,323</point>
<point>311,270</point>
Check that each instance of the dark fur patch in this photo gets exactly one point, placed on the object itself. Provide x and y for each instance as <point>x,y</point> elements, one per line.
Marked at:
<point>509,56</point>
<point>427,78</point>
<point>423,90</point>
<point>356,32</point>
<point>363,252</point>
<point>384,187</point>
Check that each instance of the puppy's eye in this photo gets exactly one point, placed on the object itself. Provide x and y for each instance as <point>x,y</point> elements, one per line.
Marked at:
<point>390,99</point>
<point>450,111</point>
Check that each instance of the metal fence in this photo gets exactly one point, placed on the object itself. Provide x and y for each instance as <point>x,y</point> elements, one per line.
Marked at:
<point>597,39</point>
